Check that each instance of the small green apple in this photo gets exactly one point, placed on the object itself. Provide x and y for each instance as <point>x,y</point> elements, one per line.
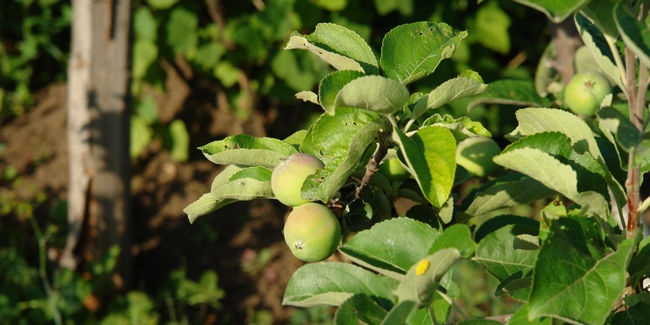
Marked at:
<point>312,232</point>
<point>394,170</point>
<point>584,93</point>
<point>289,175</point>
<point>475,155</point>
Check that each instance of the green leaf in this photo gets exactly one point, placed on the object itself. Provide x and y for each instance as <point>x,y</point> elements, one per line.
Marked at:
<point>600,13</point>
<point>636,315</point>
<point>574,266</point>
<point>555,175</point>
<point>635,34</point>
<point>359,308</point>
<point>625,133</point>
<point>642,155</point>
<point>591,175</point>
<point>448,91</point>
<point>462,127</point>
<point>431,155</point>
<point>373,93</point>
<point>405,7</point>
<point>400,313</point>
<point>421,280</point>
<point>503,192</point>
<point>437,314</point>
<point>141,135</point>
<point>308,96</point>
<point>331,85</point>
<point>555,10</point>
<point>161,4</point>
<point>296,138</point>
<point>208,55</point>
<point>536,120</point>
<point>456,236</point>
<point>343,143</point>
<point>145,53</point>
<point>332,283</point>
<point>403,242</point>
<point>182,30</point>
<point>179,140</point>
<point>145,25</point>
<point>231,185</point>
<point>520,317</point>
<point>332,5</point>
<point>227,73</point>
<point>246,150</point>
<point>287,66</point>
<point>510,92</point>
<point>342,48</point>
<point>600,50</point>
<point>490,28</point>
<point>504,254</point>
<point>147,109</point>
<point>479,321</point>
<point>428,43</point>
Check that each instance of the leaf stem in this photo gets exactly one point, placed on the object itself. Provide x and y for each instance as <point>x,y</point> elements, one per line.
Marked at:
<point>42,270</point>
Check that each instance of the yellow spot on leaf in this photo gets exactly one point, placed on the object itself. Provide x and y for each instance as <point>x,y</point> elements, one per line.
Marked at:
<point>422,267</point>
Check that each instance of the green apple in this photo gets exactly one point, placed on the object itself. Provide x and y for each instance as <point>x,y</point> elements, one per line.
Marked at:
<point>289,175</point>
<point>475,155</point>
<point>584,93</point>
<point>312,232</point>
<point>394,170</point>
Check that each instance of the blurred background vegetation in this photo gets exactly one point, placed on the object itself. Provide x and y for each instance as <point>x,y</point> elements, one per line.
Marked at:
<point>194,62</point>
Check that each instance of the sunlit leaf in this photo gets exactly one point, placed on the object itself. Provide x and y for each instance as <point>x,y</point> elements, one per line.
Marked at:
<point>506,191</point>
<point>344,143</point>
<point>332,283</point>
<point>246,150</point>
<point>555,175</point>
<point>597,44</point>
<point>635,34</point>
<point>342,48</point>
<point>555,10</point>
<point>403,242</point>
<point>231,185</point>
<point>510,92</point>
<point>428,43</point>
<point>373,93</point>
<point>575,268</point>
<point>431,155</point>
<point>331,85</point>
<point>448,91</point>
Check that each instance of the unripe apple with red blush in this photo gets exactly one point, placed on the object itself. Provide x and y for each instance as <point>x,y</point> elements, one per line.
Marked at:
<point>289,175</point>
<point>312,232</point>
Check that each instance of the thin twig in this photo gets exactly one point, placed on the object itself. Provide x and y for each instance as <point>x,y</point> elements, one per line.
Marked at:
<point>633,181</point>
<point>373,163</point>
<point>42,270</point>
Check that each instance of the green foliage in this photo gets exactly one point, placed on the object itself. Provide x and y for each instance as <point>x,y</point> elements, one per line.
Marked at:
<point>33,50</point>
<point>38,295</point>
<point>545,256</point>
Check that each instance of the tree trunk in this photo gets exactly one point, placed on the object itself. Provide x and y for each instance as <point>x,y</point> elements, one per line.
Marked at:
<point>98,136</point>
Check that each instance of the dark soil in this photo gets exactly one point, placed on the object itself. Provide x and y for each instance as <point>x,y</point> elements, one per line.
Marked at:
<point>227,241</point>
